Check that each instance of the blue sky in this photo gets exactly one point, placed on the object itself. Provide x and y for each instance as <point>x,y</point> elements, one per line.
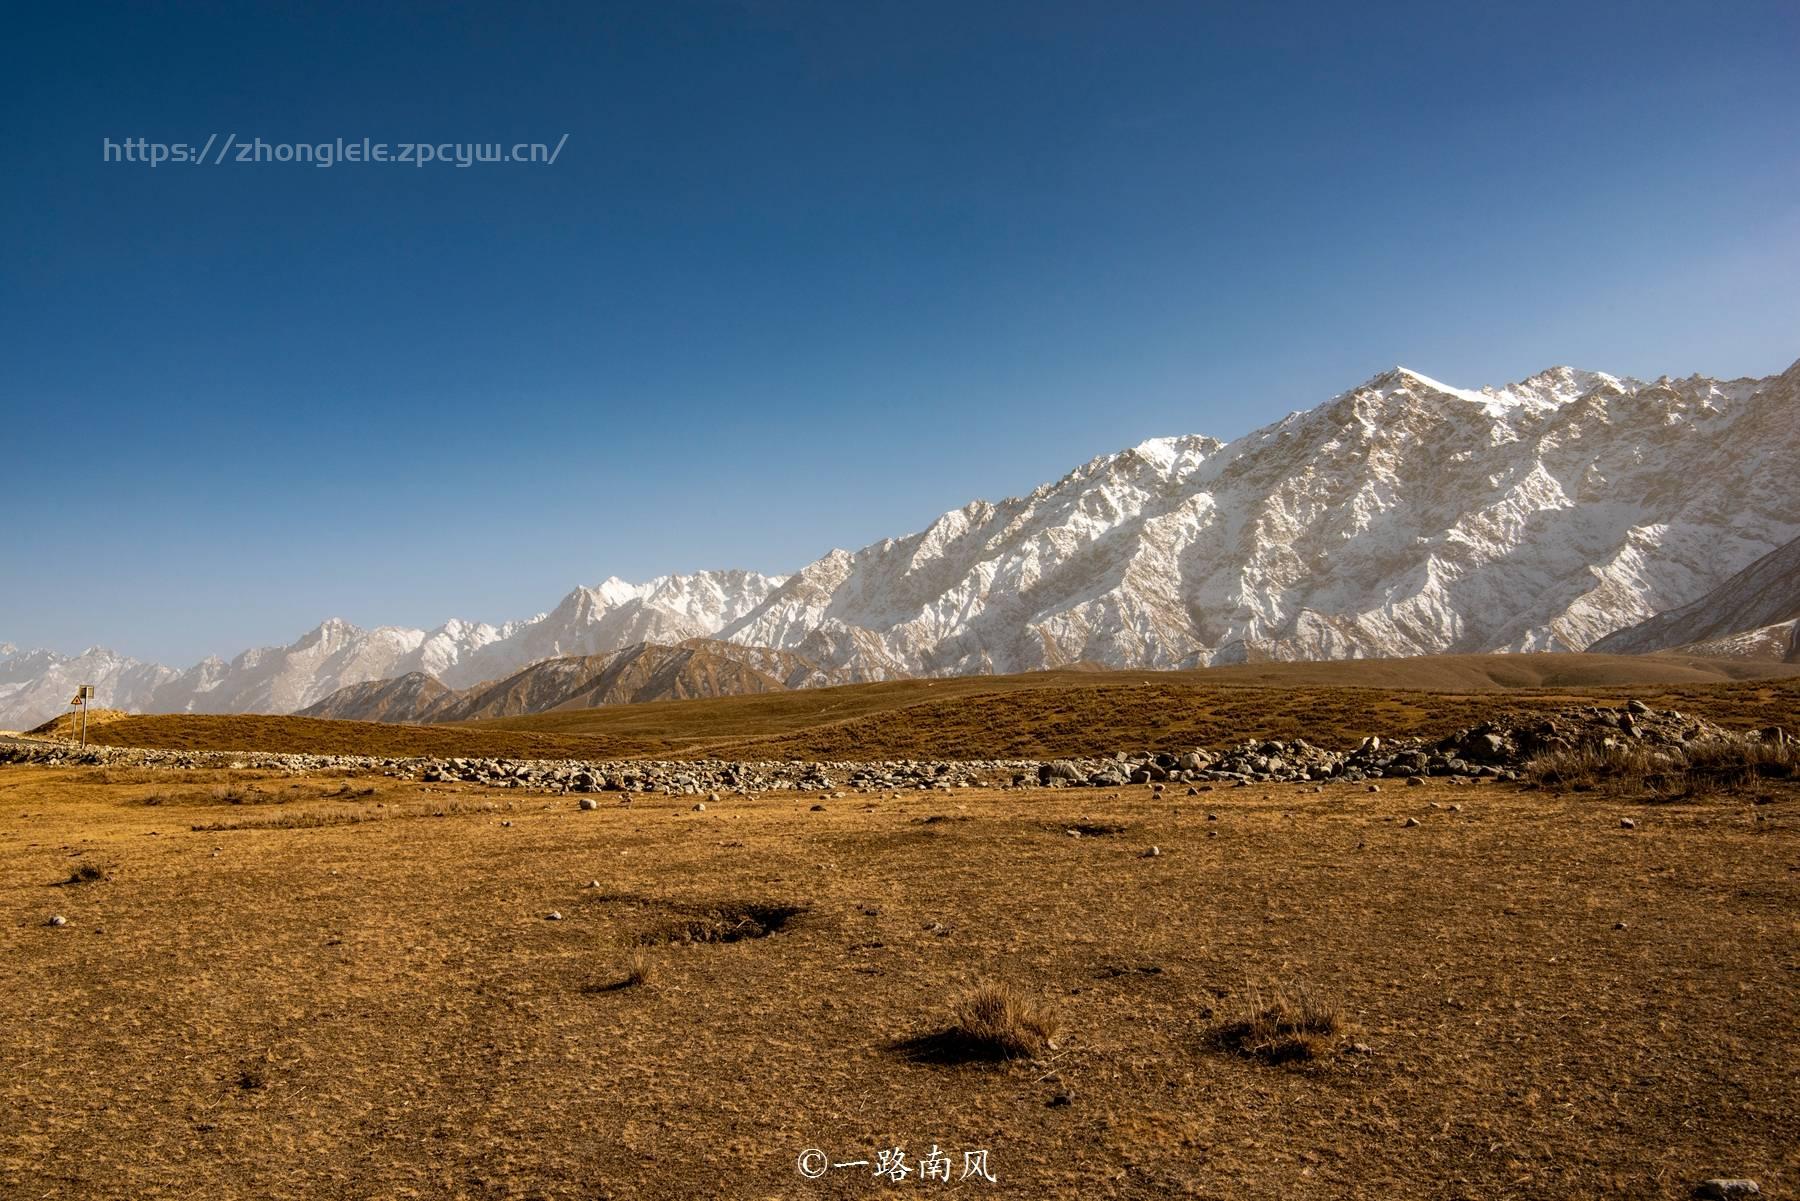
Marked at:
<point>803,275</point>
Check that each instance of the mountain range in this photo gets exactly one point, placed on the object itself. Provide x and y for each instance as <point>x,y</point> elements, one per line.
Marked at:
<point>646,671</point>
<point>1401,517</point>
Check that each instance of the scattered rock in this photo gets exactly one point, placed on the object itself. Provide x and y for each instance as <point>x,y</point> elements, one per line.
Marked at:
<point>1722,1189</point>
<point>1410,822</point>
<point>588,802</point>
<point>1152,853</point>
<point>553,916</point>
<point>1496,750</point>
<point>1625,823</point>
<point>57,920</point>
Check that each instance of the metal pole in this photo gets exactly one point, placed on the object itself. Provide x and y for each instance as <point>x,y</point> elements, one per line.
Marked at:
<point>84,720</point>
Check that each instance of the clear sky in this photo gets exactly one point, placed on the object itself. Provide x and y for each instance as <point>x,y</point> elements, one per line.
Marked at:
<point>802,275</point>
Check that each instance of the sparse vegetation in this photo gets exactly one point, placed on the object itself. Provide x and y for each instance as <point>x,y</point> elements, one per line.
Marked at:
<point>1724,765</point>
<point>86,873</point>
<point>1698,769</point>
<point>640,969</point>
<point>1620,767</point>
<point>1289,1023</point>
<point>994,1021</point>
<point>308,819</point>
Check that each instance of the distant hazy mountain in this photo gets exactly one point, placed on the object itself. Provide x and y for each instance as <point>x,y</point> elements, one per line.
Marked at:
<point>698,667</point>
<point>1402,517</point>
<point>1754,614</point>
<point>34,685</point>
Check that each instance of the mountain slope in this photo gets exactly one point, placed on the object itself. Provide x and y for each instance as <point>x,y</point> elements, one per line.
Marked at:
<point>1403,517</point>
<point>1755,613</point>
<point>405,698</point>
<point>645,672</point>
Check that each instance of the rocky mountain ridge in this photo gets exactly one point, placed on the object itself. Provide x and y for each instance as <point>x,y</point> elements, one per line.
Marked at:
<point>1402,517</point>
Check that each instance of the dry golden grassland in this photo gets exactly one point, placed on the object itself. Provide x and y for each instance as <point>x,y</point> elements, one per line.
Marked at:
<point>1041,714</point>
<point>343,986</point>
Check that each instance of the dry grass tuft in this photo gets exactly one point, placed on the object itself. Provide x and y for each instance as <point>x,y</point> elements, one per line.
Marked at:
<point>1621,767</point>
<point>1696,770</point>
<point>640,972</point>
<point>1286,1025</point>
<point>992,1022</point>
<point>1723,765</point>
<point>86,873</point>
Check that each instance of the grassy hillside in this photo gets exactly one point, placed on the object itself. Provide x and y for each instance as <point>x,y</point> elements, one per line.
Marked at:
<point>1043,713</point>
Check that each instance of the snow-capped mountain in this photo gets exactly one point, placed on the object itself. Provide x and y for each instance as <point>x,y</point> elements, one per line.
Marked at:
<point>1402,517</point>
<point>35,686</point>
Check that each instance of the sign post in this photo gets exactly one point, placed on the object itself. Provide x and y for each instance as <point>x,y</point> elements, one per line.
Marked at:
<point>83,694</point>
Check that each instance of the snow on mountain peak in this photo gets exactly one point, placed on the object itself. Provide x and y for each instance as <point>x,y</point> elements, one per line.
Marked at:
<point>1405,516</point>
<point>1177,456</point>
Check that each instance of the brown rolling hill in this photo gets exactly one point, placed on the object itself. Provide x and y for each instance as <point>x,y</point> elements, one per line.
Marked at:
<point>1042,714</point>
<point>68,725</point>
<point>638,674</point>
<point>404,698</point>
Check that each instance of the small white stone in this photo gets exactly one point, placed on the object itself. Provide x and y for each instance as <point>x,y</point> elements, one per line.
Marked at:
<point>1725,1190</point>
